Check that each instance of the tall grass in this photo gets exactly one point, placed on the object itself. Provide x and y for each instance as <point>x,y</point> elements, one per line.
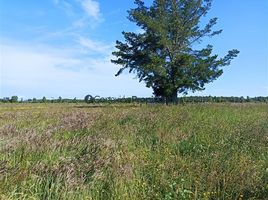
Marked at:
<point>195,151</point>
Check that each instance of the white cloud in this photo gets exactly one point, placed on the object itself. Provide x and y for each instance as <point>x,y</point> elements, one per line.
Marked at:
<point>91,8</point>
<point>65,5</point>
<point>47,71</point>
<point>80,23</point>
<point>90,15</point>
<point>93,46</point>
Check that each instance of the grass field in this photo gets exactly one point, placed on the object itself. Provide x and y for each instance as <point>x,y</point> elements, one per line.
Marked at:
<point>192,151</point>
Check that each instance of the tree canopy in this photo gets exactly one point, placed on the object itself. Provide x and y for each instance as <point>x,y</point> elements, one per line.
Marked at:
<point>163,55</point>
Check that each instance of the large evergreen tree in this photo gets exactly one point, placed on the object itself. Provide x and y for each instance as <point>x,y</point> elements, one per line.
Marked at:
<point>162,55</point>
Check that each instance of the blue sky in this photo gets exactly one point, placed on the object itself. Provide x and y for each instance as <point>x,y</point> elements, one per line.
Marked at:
<point>63,48</point>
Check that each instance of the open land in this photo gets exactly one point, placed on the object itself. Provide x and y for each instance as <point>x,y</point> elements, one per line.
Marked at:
<point>132,151</point>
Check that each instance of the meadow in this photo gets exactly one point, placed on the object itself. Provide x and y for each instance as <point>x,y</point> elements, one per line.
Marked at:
<point>131,151</point>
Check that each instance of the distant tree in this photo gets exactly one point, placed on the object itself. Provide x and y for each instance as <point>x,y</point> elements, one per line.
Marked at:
<point>163,56</point>
<point>134,98</point>
<point>248,99</point>
<point>14,99</point>
<point>74,100</point>
<point>44,99</point>
<point>34,100</point>
<point>60,99</point>
<point>241,99</point>
<point>6,99</point>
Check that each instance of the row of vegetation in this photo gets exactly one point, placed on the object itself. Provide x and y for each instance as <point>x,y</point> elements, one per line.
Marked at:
<point>134,99</point>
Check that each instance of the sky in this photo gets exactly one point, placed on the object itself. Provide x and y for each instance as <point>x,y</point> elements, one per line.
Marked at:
<point>63,48</point>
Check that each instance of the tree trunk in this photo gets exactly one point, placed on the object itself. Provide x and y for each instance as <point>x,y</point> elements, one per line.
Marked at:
<point>173,98</point>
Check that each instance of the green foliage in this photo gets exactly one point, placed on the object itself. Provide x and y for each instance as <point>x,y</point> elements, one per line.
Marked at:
<point>163,55</point>
<point>75,100</point>
<point>59,100</point>
<point>14,99</point>
<point>44,99</point>
<point>135,100</point>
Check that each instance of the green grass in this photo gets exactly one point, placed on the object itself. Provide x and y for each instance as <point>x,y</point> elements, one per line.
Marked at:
<point>192,151</point>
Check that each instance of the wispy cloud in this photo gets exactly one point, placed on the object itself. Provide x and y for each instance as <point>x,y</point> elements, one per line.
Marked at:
<point>48,71</point>
<point>80,23</point>
<point>92,8</point>
<point>95,46</point>
<point>65,5</point>
<point>90,15</point>
<point>61,61</point>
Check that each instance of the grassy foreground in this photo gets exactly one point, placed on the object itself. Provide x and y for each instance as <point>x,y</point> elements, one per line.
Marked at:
<point>198,151</point>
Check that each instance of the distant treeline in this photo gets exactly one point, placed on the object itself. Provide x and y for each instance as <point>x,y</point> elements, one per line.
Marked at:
<point>134,99</point>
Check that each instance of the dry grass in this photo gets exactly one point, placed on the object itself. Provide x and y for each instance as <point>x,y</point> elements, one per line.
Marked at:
<point>209,151</point>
